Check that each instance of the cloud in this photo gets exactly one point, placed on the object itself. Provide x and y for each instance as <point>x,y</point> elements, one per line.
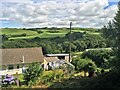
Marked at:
<point>83,13</point>
<point>114,0</point>
<point>16,1</point>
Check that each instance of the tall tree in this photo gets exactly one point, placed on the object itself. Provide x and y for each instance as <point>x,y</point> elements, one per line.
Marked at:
<point>112,32</point>
<point>117,28</point>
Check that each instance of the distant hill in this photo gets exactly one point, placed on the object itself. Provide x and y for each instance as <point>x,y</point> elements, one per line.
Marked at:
<point>24,33</point>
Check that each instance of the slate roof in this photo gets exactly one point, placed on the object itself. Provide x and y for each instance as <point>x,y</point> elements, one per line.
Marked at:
<point>51,59</point>
<point>16,55</point>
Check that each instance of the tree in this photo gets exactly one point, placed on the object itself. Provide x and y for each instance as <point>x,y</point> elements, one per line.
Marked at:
<point>109,33</point>
<point>66,46</point>
<point>80,45</point>
<point>60,48</point>
<point>32,73</point>
<point>100,57</point>
<point>18,44</point>
<point>83,64</point>
<point>4,37</point>
<point>39,31</point>
<point>47,47</point>
<point>117,29</point>
<point>93,41</point>
<point>112,33</point>
<point>74,35</point>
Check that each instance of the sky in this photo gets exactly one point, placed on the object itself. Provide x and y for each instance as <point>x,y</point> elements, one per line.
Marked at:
<point>56,13</point>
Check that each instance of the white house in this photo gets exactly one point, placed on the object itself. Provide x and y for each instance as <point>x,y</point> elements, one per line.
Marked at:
<point>15,59</point>
<point>60,56</point>
<point>52,61</point>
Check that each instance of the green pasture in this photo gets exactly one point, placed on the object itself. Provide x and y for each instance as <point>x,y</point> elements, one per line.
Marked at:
<point>42,35</point>
<point>45,34</point>
<point>12,31</point>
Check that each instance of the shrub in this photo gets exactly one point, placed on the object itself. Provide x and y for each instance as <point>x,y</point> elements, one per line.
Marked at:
<point>47,76</point>
<point>83,64</point>
<point>19,35</point>
<point>50,76</point>
<point>39,31</point>
<point>53,31</point>
<point>24,34</point>
<point>59,73</point>
<point>4,37</point>
<point>32,73</point>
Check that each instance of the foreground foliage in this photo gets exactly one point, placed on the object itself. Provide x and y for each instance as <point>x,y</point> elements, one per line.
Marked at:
<point>105,80</point>
<point>32,73</point>
<point>102,58</point>
<point>112,33</point>
<point>82,64</point>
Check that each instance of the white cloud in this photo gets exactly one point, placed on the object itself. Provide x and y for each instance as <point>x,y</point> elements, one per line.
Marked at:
<point>15,1</point>
<point>58,12</point>
<point>4,19</point>
<point>114,0</point>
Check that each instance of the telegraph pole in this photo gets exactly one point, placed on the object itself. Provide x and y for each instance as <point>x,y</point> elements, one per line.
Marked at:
<point>70,42</point>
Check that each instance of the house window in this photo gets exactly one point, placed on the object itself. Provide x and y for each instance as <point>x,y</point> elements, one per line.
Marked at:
<point>3,67</point>
<point>10,67</point>
<point>18,66</point>
<point>51,63</point>
<point>61,57</point>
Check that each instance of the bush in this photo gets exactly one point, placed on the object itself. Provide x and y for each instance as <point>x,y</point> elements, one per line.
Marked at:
<point>83,64</point>
<point>4,37</point>
<point>53,31</point>
<point>32,73</point>
<point>19,35</point>
<point>50,76</point>
<point>47,76</point>
<point>58,73</point>
<point>39,31</point>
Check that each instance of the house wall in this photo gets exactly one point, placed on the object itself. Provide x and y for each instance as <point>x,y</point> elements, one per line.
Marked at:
<point>45,65</point>
<point>51,64</point>
<point>67,58</point>
<point>15,70</point>
<point>10,72</point>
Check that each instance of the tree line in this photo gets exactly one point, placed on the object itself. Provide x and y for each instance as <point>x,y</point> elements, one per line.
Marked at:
<point>79,42</point>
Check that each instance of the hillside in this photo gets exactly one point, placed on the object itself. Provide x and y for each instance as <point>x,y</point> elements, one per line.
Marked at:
<point>15,33</point>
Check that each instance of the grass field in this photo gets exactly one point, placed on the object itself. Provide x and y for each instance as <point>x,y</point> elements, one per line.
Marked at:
<point>16,31</point>
<point>45,34</point>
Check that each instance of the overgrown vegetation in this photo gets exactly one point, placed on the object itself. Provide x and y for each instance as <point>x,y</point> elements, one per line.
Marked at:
<point>32,73</point>
<point>112,33</point>
<point>102,58</point>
